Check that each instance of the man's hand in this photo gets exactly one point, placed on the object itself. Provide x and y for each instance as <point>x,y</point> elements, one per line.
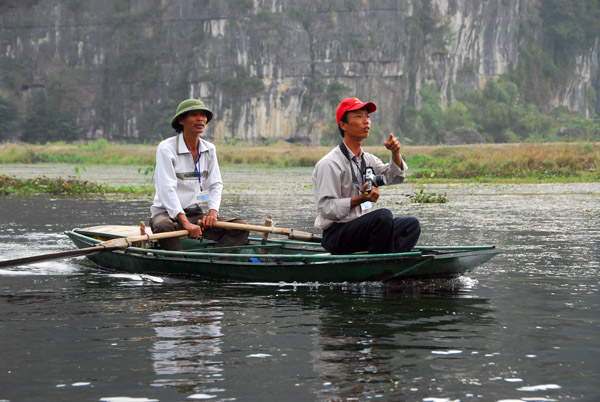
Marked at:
<point>373,196</point>
<point>394,145</point>
<point>194,230</point>
<point>210,219</point>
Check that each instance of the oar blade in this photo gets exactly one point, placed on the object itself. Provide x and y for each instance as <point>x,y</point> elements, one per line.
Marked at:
<point>55,256</point>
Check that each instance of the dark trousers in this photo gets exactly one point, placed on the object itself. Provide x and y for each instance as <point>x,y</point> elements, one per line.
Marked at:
<point>377,232</point>
<point>223,237</point>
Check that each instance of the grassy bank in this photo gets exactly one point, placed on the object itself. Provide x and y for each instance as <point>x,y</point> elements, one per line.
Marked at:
<point>549,162</point>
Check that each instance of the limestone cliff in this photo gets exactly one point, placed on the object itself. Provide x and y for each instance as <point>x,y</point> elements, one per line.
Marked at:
<point>270,69</point>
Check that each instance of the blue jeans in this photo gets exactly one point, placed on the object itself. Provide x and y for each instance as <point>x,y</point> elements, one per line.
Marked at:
<point>377,232</point>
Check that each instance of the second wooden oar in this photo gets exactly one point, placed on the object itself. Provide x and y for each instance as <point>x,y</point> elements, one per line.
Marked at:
<point>292,234</point>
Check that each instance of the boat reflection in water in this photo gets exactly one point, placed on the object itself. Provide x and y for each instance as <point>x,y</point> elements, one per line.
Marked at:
<point>350,342</point>
<point>188,345</point>
<point>395,345</point>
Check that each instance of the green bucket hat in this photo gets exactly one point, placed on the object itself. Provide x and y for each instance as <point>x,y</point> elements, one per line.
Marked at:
<point>188,105</point>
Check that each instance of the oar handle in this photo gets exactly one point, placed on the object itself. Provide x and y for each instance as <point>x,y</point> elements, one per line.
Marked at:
<point>124,242</point>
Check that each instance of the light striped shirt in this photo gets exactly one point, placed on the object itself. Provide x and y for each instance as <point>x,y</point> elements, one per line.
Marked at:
<point>176,177</point>
<point>333,186</point>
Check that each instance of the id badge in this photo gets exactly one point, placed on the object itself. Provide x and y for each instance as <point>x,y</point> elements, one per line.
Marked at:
<point>202,196</point>
<point>366,205</point>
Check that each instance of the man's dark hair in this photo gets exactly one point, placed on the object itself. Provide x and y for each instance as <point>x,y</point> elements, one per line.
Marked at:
<point>178,126</point>
<point>345,120</point>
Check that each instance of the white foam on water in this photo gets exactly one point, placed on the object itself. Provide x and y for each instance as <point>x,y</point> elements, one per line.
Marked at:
<point>446,352</point>
<point>138,277</point>
<point>259,355</point>
<point>41,268</point>
<point>126,399</point>
<point>133,277</point>
<point>9,272</point>
<point>286,285</point>
<point>201,396</point>
<point>155,279</point>
<point>468,283</point>
<point>543,387</point>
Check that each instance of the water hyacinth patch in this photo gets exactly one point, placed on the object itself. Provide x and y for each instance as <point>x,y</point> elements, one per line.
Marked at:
<point>57,186</point>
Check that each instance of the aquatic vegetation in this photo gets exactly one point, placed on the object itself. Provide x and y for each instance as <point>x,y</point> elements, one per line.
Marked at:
<point>421,197</point>
<point>149,173</point>
<point>71,186</point>
<point>38,185</point>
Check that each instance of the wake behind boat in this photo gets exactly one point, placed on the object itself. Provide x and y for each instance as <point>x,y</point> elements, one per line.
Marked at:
<point>270,260</point>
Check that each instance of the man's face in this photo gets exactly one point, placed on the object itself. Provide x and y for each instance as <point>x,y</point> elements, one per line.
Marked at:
<point>358,125</point>
<point>194,121</point>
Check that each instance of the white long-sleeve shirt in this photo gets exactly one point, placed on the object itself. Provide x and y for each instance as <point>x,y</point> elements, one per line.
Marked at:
<point>333,186</point>
<point>176,178</point>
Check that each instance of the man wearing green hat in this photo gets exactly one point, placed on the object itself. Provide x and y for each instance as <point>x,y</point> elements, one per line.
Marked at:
<point>188,182</point>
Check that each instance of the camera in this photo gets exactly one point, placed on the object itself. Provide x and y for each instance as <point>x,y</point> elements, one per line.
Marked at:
<point>373,179</point>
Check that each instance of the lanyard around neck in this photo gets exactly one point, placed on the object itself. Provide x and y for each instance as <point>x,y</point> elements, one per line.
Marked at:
<point>361,169</point>
<point>197,166</point>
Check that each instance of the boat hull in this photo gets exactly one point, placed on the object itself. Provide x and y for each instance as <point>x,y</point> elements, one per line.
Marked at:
<point>282,261</point>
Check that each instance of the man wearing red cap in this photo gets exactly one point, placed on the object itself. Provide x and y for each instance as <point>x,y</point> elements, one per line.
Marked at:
<point>346,192</point>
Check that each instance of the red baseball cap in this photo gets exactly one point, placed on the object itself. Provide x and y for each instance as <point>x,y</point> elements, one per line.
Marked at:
<point>350,104</point>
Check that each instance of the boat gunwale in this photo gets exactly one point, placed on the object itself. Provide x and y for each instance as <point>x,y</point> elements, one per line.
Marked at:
<point>197,255</point>
<point>87,232</point>
<point>419,253</point>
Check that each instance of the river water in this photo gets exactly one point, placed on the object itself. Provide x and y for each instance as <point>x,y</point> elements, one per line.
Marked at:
<point>523,327</point>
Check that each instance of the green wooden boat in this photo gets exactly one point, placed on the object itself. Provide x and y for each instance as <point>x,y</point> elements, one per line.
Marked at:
<point>276,260</point>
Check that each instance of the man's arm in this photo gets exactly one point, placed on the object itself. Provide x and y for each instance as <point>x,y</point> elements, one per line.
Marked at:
<point>395,147</point>
<point>213,181</point>
<point>166,180</point>
<point>331,204</point>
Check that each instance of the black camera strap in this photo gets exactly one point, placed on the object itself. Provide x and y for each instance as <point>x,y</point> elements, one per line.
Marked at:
<point>363,167</point>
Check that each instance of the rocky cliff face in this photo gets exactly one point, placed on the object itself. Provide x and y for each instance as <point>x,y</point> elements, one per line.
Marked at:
<point>270,69</point>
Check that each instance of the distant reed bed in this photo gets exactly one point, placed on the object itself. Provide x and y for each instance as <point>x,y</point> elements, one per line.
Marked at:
<point>576,161</point>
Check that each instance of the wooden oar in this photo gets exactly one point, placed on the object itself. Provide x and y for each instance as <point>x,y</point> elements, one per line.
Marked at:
<point>109,245</point>
<point>290,233</point>
<point>124,242</point>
